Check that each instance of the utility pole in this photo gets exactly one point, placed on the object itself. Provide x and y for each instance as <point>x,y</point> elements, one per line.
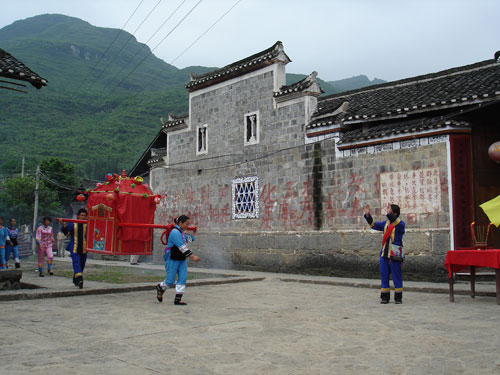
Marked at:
<point>35,210</point>
<point>22,167</point>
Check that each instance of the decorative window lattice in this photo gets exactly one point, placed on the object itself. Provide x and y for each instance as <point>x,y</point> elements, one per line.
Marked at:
<point>246,198</point>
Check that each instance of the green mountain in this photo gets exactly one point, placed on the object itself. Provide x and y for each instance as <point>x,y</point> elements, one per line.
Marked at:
<point>87,114</point>
<point>97,111</point>
<point>354,83</point>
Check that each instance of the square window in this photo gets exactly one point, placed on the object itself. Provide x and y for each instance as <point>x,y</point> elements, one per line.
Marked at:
<point>202,140</point>
<point>245,197</point>
<point>252,128</point>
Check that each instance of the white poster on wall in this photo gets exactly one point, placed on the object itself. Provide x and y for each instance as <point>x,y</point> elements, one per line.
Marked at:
<point>415,191</point>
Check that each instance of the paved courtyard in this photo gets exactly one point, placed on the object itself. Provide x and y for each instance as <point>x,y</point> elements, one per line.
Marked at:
<point>265,327</point>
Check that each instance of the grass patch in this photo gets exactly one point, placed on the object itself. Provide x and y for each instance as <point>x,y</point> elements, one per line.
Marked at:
<point>116,274</point>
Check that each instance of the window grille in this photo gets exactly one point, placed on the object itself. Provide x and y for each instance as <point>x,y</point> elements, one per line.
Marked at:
<point>245,198</point>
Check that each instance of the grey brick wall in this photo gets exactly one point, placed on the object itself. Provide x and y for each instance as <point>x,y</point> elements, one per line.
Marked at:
<point>310,201</point>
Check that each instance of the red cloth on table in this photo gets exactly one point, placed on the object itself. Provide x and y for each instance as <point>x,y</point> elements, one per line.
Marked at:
<point>461,259</point>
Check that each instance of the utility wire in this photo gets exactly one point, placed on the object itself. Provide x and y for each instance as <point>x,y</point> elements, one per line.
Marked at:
<point>161,41</point>
<point>151,37</point>
<point>205,32</point>
<point>192,44</point>
<point>107,49</point>
<point>123,46</point>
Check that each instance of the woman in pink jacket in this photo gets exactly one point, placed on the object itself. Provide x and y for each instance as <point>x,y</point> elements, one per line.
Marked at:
<point>44,240</point>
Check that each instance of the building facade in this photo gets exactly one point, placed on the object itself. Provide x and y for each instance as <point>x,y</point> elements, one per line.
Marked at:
<point>276,177</point>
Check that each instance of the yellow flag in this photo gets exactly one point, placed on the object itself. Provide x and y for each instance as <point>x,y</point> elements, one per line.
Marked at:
<point>492,209</point>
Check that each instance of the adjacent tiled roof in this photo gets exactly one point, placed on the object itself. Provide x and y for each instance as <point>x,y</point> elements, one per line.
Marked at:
<point>455,87</point>
<point>174,120</point>
<point>301,86</point>
<point>400,128</point>
<point>249,64</point>
<point>12,68</point>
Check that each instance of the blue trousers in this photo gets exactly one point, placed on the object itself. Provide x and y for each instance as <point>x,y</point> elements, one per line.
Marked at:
<point>78,261</point>
<point>2,259</point>
<point>388,267</point>
<point>176,269</point>
<point>11,250</point>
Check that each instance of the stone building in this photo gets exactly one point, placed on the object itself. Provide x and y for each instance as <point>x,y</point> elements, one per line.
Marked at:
<point>276,177</point>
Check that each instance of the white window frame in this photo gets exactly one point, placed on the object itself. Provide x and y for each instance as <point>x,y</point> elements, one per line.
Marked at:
<point>198,151</point>
<point>256,139</point>
<point>245,215</point>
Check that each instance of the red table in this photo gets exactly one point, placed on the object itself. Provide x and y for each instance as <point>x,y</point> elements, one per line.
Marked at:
<point>457,260</point>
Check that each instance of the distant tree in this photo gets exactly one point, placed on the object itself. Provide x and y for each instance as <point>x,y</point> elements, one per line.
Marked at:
<point>64,175</point>
<point>17,199</point>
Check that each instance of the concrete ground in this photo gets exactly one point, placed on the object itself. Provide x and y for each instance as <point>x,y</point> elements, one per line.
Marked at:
<point>270,326</point>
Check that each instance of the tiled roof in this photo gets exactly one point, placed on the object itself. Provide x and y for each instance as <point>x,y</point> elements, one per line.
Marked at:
<point>12,68</point>
<point>174,120</point>
<point>400,128</point>
<point>249,64</point>
<point>303,85</point>
<point>455,87</point>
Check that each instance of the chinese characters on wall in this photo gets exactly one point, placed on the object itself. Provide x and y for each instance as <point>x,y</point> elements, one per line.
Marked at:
<point>416,191</point>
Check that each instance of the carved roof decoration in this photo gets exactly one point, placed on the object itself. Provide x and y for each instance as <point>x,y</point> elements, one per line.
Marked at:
<point>308,85</point>
<point>260,60</point>
<point>174,121</point>
<point>457,87</point>
<point>12,68</point>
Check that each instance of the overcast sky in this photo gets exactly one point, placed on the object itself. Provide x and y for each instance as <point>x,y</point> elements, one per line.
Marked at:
<point>388,39</point>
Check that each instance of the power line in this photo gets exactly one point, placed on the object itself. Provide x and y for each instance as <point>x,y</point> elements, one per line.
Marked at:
<point>161,41</point>
<point>107,49</point>
<point>152,36</point>
<point>206,31</point>
<point>194,42</point>
<point>123,46</point>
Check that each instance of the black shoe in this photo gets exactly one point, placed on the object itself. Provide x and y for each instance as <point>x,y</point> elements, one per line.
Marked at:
<point>180,303</point>
<point>398,302</point>
<point>159,293</point>
<point>384,301</point>
<point>79,282</point>
<point>18,265</point>
<point>41,274</point>
<point>50,272</point>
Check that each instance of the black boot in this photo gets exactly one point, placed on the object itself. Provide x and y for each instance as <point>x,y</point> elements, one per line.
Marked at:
<point>398,298</point>
<point>79,281</point>
<point>385,297</point>
<point>177,300</point>
<point>18,265</point>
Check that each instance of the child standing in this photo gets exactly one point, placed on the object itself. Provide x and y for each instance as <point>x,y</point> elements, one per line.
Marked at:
<point>4,238</point>
<point>12,247</point>
<point>175,256</point>
<point>391,253</point>
<point>44,241</point>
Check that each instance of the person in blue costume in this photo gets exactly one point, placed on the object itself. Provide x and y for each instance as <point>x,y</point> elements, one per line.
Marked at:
<point>391,253</point>
<point>77,246</point>
<point>4,238</point>
<point>175,256</point>
<point>12,247</point>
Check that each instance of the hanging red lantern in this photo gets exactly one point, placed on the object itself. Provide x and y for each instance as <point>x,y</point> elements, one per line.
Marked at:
<point>110,197</point>
<point>494,152</point>
<point>80,197</point>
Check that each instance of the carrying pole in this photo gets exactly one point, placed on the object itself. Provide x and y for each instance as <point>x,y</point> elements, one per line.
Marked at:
<point>35,209</point>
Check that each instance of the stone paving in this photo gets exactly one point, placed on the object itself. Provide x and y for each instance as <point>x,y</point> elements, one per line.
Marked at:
<point>260,327</point>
